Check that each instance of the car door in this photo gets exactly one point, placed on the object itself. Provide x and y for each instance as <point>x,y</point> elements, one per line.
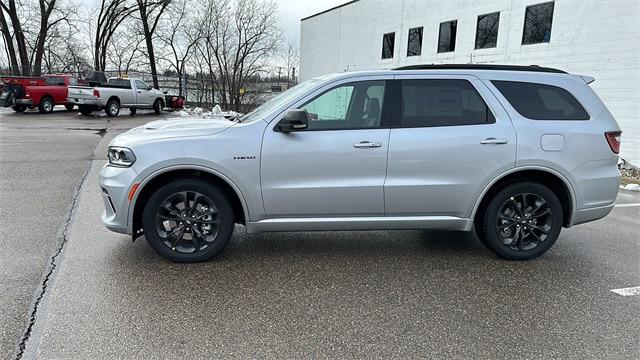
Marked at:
<point>57,89</point>
<point>335,167</point>
<point>450,138</point>
<point>144,97</point>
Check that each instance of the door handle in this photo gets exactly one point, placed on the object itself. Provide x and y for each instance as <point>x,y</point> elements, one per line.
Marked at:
<point>367,144</point>
<point>493,141</point>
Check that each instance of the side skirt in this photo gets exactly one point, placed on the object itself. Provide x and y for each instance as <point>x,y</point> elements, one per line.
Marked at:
<point>360,223</point>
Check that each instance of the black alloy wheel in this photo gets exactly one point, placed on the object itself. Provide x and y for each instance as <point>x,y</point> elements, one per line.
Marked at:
<point>522,221</point>
<point>188,221</point>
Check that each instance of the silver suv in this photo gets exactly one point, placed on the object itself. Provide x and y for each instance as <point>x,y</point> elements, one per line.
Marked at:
<point>516,152</point>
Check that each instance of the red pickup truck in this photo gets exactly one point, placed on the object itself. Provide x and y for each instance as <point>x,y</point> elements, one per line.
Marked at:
<point>22,93</point>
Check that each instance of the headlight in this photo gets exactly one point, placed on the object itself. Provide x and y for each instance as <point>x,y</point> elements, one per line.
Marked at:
<point>121,156</point>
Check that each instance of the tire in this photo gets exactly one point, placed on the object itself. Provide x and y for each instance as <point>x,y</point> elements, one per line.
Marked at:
<point>158,106</point>
<point>167,232</point>
<point>69,106</point>
<point>113,108</point>
<point>85,110</point>
<point>529,224</point>
<point>46,105</point>
<point>19,108</point>
<point>132,111</point>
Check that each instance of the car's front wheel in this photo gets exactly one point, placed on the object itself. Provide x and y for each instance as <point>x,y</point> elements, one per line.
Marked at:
<point>522,221</point>
<point>157,106</point>
<point>188,221</point>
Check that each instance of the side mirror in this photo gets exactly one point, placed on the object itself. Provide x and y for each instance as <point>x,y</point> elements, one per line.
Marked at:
<point>149,87</point>
<point>293,120</point>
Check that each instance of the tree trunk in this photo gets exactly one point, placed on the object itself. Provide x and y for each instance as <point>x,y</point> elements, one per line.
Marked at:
<point>8,40</point>
<point>19,35</point>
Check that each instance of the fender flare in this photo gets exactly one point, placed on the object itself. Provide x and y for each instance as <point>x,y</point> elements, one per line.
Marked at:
<point>153,175</point>
<point>567,183</point>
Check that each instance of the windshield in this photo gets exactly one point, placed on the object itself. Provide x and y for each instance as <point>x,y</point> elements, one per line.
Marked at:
<point>279,100</point>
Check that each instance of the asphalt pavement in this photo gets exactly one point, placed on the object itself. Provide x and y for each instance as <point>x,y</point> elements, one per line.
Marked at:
<point>378,294</point>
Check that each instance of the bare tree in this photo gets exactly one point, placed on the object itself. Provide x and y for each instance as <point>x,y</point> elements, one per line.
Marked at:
<point>18,35</point>
<point>112,14</point>
<point>125,49</point>
<point>290,58</point>
<point>238,37</point>
<point>150,14</point>
<point>49,15</point>
<point>8,43</point>
<point>179,36</point>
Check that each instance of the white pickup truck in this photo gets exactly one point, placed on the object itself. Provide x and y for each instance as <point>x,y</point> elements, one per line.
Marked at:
<point>115,94</point>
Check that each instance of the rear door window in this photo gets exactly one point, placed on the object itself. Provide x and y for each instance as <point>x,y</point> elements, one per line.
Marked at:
<point>541,101</point>
<point>442,102</point>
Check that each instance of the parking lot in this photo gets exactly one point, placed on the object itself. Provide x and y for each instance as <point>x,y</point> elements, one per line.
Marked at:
<point>72,289</point>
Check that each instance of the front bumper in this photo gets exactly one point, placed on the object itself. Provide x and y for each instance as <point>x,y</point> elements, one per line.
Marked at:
<point>115,184</point>
<point>83,101</point>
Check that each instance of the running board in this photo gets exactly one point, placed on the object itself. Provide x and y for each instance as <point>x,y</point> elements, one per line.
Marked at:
<point>360,223</point>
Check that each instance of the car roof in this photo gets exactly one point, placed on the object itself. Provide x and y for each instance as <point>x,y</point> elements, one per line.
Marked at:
<point>485,71</point>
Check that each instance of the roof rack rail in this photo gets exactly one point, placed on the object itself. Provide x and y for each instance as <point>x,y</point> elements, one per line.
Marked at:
<point>534,68</point>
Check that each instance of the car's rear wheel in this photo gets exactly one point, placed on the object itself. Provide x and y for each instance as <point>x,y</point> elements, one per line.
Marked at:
<point>113,108</point>
<point>69,106</point>
<point>522,221</point>
<point>157,106</point>
<point>188,221</point>
<point>85,110</point>
<point>19,108</point>
<point>46,105</point>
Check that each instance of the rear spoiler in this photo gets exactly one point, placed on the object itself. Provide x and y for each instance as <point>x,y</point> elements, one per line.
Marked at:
<point>587,79</point>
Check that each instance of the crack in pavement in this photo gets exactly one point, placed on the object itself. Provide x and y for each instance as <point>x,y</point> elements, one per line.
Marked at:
<point>53,263</point>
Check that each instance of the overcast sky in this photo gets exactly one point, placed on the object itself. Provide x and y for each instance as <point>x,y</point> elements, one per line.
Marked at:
<point>291,11</point>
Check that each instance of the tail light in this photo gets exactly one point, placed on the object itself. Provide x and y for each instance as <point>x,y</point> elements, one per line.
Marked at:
<point>614,138</point>
<point>96,93</point>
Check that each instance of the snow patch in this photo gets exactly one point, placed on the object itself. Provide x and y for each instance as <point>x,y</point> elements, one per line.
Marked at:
<point>632,187</point>
<point>200,113</point>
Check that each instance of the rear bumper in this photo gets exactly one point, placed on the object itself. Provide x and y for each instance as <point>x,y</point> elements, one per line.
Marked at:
<point>590,214</point>
<point>27,102</point>
<point>82,101</point>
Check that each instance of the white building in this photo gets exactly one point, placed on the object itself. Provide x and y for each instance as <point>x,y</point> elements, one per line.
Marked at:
<point>599,38</point>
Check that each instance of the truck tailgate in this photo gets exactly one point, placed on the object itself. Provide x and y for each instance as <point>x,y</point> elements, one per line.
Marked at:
<point>80,92</point>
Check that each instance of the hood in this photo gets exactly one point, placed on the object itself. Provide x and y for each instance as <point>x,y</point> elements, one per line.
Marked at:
<point>172,128</point>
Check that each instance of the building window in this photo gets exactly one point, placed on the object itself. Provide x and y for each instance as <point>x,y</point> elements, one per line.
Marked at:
<point>447,37</point>
<point>537,24</point>
<point>388,41</point>
<point>541,101</point>
<point>414,45</point>
<point>487,30</point>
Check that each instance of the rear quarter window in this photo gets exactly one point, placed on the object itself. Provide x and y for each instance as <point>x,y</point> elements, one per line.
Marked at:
<point>541,101</point>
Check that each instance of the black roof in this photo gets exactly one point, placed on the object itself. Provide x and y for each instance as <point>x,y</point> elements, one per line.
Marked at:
<point>534,68</point>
